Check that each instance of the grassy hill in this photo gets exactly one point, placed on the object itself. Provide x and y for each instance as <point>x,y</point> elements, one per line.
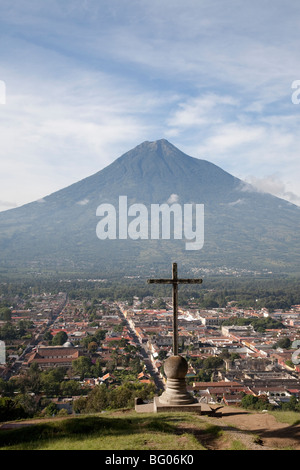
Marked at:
<point>128,430</point>
<point>109,431</point>
<point>118,431</point>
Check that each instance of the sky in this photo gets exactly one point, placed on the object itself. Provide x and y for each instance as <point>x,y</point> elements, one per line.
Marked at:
<point>84,81</point>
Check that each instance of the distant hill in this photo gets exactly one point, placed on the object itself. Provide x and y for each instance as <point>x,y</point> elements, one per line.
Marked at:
<point>243,228</point>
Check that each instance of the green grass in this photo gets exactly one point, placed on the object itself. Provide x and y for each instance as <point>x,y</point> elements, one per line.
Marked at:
<point>290,417</point>
<point>237,445</point>
<point>112,432</point>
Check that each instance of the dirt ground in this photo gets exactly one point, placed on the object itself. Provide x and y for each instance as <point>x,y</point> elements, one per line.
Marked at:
<point>267,432</point>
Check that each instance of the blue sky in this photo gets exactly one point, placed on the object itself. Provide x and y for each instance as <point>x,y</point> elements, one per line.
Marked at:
<point>84,81</point>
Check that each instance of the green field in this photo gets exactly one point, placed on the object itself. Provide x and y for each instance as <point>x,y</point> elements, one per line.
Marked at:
<point>114,431</point>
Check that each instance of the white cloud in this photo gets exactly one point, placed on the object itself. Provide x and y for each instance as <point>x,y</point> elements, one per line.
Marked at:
<point>83,202</point>
<point>234,203</point>
<point>88,80</point>
<point>6,205</point>
<point>234,135</point>
<point>173,199</point>
<point>200,111</point>
<point>56,133</point>
<point>273,185</point>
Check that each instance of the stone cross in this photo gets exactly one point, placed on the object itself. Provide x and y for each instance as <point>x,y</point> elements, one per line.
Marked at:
<point>175,281</point>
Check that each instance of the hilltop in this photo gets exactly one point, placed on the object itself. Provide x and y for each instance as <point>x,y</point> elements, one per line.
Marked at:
<point>127,430</point>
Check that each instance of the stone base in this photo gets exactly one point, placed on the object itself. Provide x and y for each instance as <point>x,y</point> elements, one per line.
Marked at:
<point>157,407</point>
<point>160,407</point>
<point>176,393</point>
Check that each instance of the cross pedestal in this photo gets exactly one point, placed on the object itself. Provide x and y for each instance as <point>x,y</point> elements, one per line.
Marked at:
<point>175,367</point>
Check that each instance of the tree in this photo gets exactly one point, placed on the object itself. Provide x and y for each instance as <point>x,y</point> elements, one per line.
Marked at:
<point>249,401</point>
<point>10,410</point>
<point>5,314</point>
<point>51,380</point>
<point>210,303</point>
<point>284,343</point>
<point>82,366</point>
<point>212,362</point>
<point>135,365</point>
<point>100,335</point>
<point>159,304</point>
<point>79,405</point>
<point>162,355</point>
<point>8,331</point>
<point>70,388</point>
<point>60,338</point>
<point>122,397</point>
<point>293,404</point>
<point>144,391</point>
<point>92,347</point>
<point>203,376</point>
<point>254,403</point>
<point>96,369</point>
<point>225,354</point>
<point>234,356</point>
<point>48,336</point>
<point>51,409</point>
<point>3,387</point>
<point>27,403</point>
<point>98,399</point>
<point>33,378</point>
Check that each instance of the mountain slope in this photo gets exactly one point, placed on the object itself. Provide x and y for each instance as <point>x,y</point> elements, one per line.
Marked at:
<point>242,228</point>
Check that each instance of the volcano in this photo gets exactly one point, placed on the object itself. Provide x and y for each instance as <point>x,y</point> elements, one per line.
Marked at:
<point>243,229</point>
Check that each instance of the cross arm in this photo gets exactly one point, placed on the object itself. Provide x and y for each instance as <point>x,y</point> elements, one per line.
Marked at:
<point>175,281</point>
